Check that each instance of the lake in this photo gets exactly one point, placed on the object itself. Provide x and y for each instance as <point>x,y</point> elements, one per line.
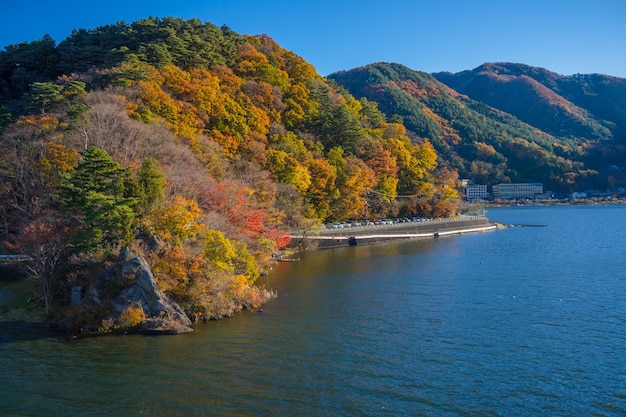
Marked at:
<point>524,321</point>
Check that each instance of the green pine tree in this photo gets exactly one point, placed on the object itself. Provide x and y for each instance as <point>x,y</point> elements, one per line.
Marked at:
<point>99,194</point>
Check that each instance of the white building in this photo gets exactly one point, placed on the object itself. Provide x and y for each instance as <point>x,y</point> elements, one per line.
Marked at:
<point>475,191</point>
<point>517,190</point>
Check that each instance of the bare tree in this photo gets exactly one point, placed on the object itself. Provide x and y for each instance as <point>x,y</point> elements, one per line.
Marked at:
<point>45,242</point>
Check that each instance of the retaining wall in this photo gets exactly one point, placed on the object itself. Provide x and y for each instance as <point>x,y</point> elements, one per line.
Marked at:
<point>367,235</point>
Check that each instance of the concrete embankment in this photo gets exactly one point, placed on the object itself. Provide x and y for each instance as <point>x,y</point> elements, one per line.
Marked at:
<point>372,234</point>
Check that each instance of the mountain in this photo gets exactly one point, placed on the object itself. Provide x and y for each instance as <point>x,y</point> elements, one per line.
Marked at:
<point>507,122</point>
<point>196,147</point>
<point>589,106</point>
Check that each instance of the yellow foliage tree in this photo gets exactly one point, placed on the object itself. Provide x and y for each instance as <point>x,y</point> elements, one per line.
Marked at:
<point>176,220</point>
<point>353,181</point>
<point>256,65</point>
<point>175,267</point>
<point>158,101</point>
<point>288,169</point>
<point>298,104</point>
<point>299,70</point>
<point>322,190</point>
<point>177,81</point>
<point>263,96</point>
<point>43,123</point>
<point>58,157</point>
<point>229,256</point>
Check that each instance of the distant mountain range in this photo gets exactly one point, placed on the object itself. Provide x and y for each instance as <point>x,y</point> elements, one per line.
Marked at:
<point>505,122</point>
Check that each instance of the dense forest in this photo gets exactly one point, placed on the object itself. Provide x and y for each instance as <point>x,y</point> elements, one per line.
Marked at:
<point>508,122</point>
<point>197,147</point>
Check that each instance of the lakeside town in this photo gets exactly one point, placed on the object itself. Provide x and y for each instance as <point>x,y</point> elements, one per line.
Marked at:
<point>534,193</point>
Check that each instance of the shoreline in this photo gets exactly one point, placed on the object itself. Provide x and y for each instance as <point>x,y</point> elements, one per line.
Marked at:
<point>370,235</point>
<point>555,202</point>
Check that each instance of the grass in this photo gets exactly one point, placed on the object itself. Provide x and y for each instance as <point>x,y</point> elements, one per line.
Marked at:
<point>18,302</point>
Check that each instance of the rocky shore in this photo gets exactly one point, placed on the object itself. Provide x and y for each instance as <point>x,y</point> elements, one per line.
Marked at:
<point>123,299</point>
<point>139,306</point>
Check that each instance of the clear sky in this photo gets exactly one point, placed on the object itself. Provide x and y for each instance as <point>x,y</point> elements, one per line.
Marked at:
<point>564,36</point>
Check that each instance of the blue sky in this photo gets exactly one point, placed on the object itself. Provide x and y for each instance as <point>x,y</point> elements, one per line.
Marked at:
<point>564,36</point>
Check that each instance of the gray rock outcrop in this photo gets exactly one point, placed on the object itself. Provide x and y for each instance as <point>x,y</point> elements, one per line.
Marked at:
<point>160,314</point>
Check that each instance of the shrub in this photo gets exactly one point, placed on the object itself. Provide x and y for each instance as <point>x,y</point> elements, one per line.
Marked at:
<point>132,316</point>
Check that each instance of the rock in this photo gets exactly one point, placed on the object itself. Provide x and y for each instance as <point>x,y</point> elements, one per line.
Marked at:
<point>157,326</point>
<point>154,244</point>
<point>160,314</point>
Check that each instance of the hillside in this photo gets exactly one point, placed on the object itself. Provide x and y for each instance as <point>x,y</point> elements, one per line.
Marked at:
<point>590,106</point>
<point>507,122</point>
<point>198,148</point>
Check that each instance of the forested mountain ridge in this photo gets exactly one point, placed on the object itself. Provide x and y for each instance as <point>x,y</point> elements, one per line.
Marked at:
<point>197,147</point>
<point>508,122</point>
<point>581,105</point>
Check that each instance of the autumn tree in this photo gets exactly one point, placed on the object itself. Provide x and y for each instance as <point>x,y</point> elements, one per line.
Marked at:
<point>31,168</point>
<point>447,183</point>
<point>230,256</point>
<point>298,106</point>
<point>175,220</point>
<point>354,179</point>
<point>322,190</point>
<point>256,65</point>
<point>176,266</point>
<point>288,170</point>
<point>44,240</point>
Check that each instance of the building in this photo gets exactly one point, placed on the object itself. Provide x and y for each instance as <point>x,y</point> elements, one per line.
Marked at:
<point>517,190</point>
<point>475,191</point>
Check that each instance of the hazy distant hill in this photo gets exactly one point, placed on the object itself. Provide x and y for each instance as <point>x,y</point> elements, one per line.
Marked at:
<point>504,122</point>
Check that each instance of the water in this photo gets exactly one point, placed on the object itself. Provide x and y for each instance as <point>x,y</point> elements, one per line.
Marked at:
<point>527,321</point>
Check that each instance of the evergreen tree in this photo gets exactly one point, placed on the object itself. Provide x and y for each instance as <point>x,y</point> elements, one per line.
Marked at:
<point>43,96</point>
<point>99,192</point>
<point>6,118</point>
<point>151,183</point>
